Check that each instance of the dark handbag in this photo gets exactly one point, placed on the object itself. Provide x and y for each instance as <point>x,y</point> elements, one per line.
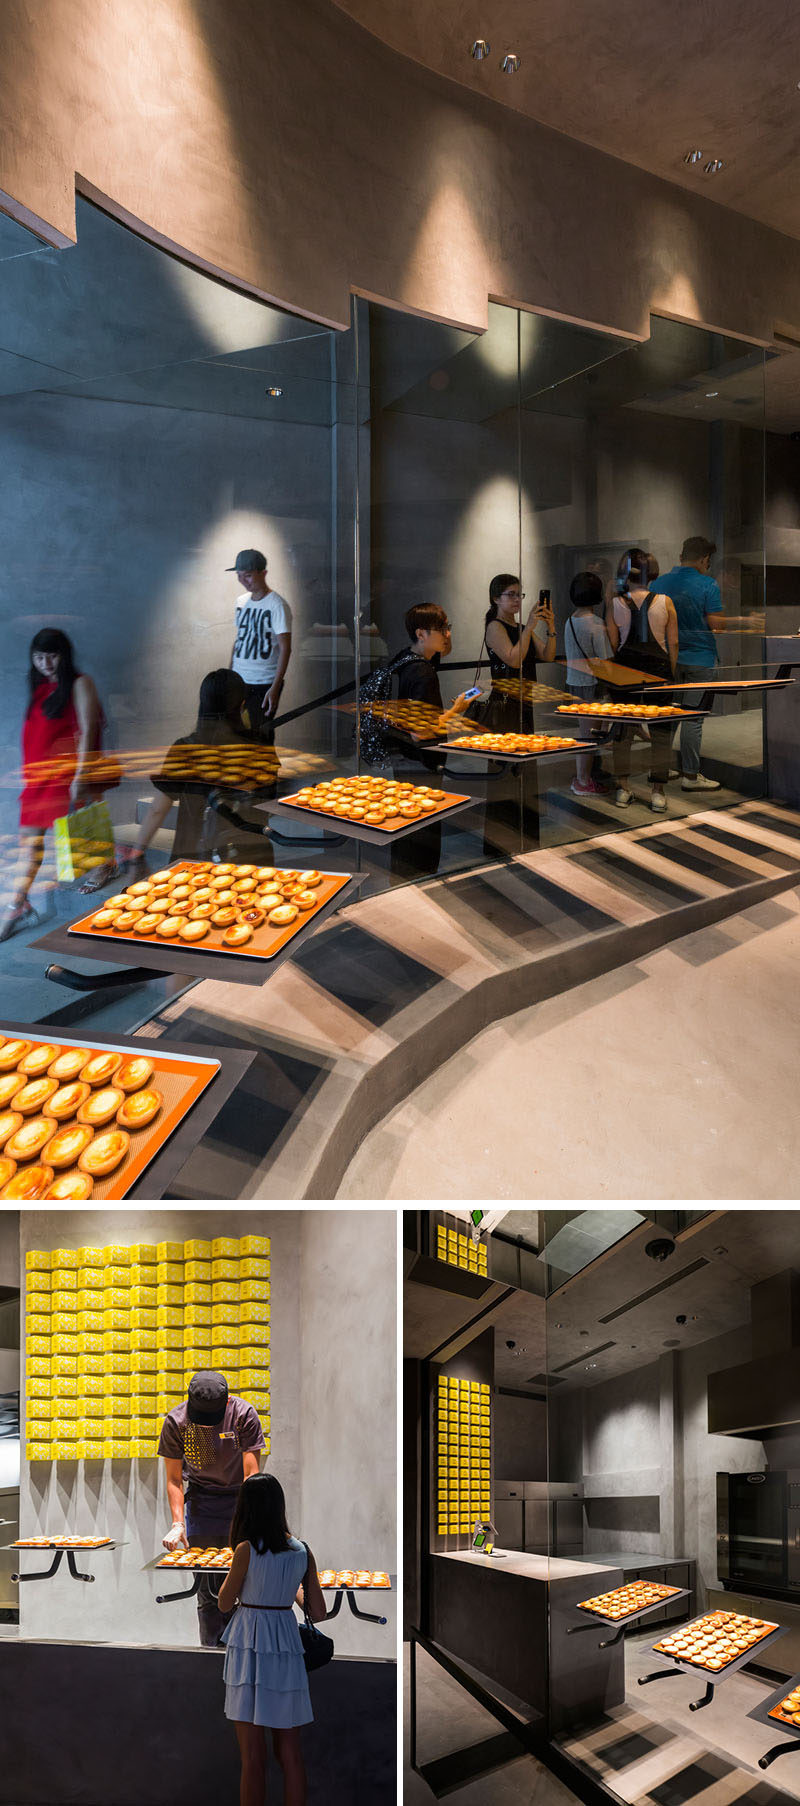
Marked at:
<point>317,1648</point>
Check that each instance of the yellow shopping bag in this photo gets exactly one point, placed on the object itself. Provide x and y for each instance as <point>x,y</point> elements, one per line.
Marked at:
<point>83,841</point>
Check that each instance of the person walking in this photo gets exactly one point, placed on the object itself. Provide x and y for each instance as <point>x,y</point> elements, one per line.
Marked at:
<point>213,1442</point>
<point>698,606</point>
<point>60,738</point>
<point>266,1686</point>
<point>263,645</point>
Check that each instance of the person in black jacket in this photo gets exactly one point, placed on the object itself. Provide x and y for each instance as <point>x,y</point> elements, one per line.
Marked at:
<point>417,680</point>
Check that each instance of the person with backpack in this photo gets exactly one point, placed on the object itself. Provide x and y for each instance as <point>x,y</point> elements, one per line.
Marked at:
<point>648,641</point>
<point>266,1685</point>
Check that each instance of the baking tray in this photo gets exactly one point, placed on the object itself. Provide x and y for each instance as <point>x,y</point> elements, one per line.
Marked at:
<point>50,1542</point>
<point>763,1711</point>
<point>584,714</point>
<point>266,941</point>
<point>509,758</point>
<point>730,683</point>
<point>668,1598</point>
<point>357,830</point>
<point>715,1675</point>
<point>225,1069</point>
<point>195,962</point>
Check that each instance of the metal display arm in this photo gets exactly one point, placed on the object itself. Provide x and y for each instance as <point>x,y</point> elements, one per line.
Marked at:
<point>693,1668</point>
<point>46,1573</point>
<point>369,1617</point>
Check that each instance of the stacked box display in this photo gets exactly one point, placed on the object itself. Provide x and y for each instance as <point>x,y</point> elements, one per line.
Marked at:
<point>113,1336</point>
<point>459,1250</point>
<point>462,1459</point>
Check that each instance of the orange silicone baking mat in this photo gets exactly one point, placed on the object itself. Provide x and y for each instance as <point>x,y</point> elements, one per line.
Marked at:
<point>444,800</point>
<point>715,1640</point>
<point>61,1542</point>
<point>787,1710</point>
<point>630,711</point>
<point>266,940</point>
<point>625,1602</point>
<point>177,1082</point>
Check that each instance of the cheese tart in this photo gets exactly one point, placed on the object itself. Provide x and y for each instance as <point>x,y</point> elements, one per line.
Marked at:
<point>11,1053</point>
<point>67,1065</point>
<point>11,1082</point>
<point>193,930</point>
<point>27,1142</point>
<point>169,927</point>
<point>66,1146</point>
<point>283,915</point>
<point>71,1186</point>
<point>105,1153</point>
<point>32,1098</point>
<point>36,1063</point>
<point>30,1182</point>
<point>105,918</point>
<point>7,1170</point>
<point>67,1100</point>
<point>224,918</point>
<point>305,899</point>
<point>148,923</point>
<point>237,935</point>
<point>100,1107</point>
<point>253,916</point>
<point>201,912</point>
<point>310,880</point>
<point>10,1121</point>
<point>137,1110</point>
<point>100,1068</point>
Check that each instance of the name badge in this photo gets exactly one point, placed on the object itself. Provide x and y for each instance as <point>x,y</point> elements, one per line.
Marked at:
<point>227,1435</point>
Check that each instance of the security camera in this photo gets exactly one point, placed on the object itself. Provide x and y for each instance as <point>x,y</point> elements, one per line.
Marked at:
<point>511,1345</point>
<point>681,1318</point>
<point>660,1249</point>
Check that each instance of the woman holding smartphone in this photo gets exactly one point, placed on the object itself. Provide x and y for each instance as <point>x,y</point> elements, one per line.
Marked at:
<point>514,650</point>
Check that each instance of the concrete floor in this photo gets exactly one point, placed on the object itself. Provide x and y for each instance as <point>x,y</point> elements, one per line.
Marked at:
<point>672,1077</point>
<point>449,1720</point>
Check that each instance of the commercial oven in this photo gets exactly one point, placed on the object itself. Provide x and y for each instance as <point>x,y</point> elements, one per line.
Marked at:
<point>758,1533</point>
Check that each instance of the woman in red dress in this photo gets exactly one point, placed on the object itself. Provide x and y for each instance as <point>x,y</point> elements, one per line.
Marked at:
<point>60,736</point>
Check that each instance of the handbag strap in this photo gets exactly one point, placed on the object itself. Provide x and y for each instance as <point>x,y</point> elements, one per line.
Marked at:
<point>582,649</point>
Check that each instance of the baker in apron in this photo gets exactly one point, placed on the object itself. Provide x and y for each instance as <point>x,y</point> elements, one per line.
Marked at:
<point>213,1443</point>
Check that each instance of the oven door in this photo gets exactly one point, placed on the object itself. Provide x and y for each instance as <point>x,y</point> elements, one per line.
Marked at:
<point>758,1531</point>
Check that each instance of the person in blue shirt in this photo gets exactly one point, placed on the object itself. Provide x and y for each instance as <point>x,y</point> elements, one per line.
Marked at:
<point>698,606</point>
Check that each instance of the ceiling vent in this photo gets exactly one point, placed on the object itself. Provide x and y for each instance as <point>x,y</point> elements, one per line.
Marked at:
<point>674,1279</point>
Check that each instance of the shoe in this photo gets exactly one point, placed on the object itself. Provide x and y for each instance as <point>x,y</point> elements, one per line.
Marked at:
<point>590,788</point>
<point>18,917</point>
<point>623,797</point>
<point>675,772</point>
<point>658,801</point>
<point>700,783</point>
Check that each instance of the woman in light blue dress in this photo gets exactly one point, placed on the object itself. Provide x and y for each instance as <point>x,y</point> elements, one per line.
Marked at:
<point>266,1686</point>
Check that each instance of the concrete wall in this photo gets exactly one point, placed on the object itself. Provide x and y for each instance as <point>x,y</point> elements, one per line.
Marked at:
<point>464,199</point>
<point>520,1438</point>
<point>9,1248</point>
<point>127,1500</point>
<point>705,1456</point>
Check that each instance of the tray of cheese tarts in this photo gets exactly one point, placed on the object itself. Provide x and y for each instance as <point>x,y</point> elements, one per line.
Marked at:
<point>787,1709</point>
<point>717,1641</point>
<point>84,1121</point>
<point>630,711</point>
<point>237,912</point>
<point>353,1580</point>
<point>420,720</point>
<point>627,1601</point>
<point>781,1707</point>
<point>62,1542</point>
<point>516,746</point>
<point>196,1558</point>
<point>387,805</point>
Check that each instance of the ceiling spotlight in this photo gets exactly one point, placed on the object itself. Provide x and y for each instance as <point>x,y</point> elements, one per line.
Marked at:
<point>713,168</point>
<point>510,63</point>
<point>590,1366</point>
<point>274,392</point>
<point>480,50</point>
<point>711,394</point>
<point>694,156</point>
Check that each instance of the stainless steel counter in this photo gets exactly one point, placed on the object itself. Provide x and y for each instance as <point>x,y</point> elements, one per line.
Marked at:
<point>547,1568</point>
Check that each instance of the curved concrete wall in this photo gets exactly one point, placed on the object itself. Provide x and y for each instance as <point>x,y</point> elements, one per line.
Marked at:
<point>284,147</point>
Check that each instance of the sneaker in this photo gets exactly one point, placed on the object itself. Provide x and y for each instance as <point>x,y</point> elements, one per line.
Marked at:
<point>658,801</point>
<point>590,788</point>
<point>700,783</point>
<point>675,771</point>
<point>623,797</point>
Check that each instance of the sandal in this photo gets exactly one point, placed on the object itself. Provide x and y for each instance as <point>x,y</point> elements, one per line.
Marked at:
<point>21,915</point>
<point>100,877</point>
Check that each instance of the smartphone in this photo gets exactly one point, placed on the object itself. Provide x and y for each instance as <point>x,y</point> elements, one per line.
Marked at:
<point>471,694</point>
<point>544,598</point>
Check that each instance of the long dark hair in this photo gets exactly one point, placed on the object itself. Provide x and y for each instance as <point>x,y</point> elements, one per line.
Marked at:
<point>496,588</point>
<point>51,639</point>
<point>260,1516</point>
<point>219,713</point>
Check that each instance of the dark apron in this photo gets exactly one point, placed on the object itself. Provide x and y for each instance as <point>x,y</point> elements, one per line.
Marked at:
<point>208,1526</point>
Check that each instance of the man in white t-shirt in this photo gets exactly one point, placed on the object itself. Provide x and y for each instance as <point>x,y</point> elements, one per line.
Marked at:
<point>263,644</point>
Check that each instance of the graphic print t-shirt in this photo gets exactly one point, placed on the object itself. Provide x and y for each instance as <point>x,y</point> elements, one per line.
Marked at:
<point>258,623</point>
<point>212,1453</point>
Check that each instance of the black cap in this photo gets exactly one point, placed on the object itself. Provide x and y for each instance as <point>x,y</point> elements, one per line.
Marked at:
<point>207,1397</point>
<point>249,561</point>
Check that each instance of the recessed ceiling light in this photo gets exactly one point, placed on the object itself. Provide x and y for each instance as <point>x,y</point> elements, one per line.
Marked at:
<point>711,394</point>
<point>510,62</point>
<point>713,167</point>
<point>274,392</point>
<point>590,1365</point>
<point>480,50</point>
<point>693,156</point>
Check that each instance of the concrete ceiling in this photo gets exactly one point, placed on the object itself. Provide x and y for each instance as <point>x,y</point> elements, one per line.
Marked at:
<point>642,82</point>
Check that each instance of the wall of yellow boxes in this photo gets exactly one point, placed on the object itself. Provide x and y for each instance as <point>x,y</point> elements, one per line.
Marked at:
<point>459,1250</point>
<point>463,1457</point>
<point>113,1336</point>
